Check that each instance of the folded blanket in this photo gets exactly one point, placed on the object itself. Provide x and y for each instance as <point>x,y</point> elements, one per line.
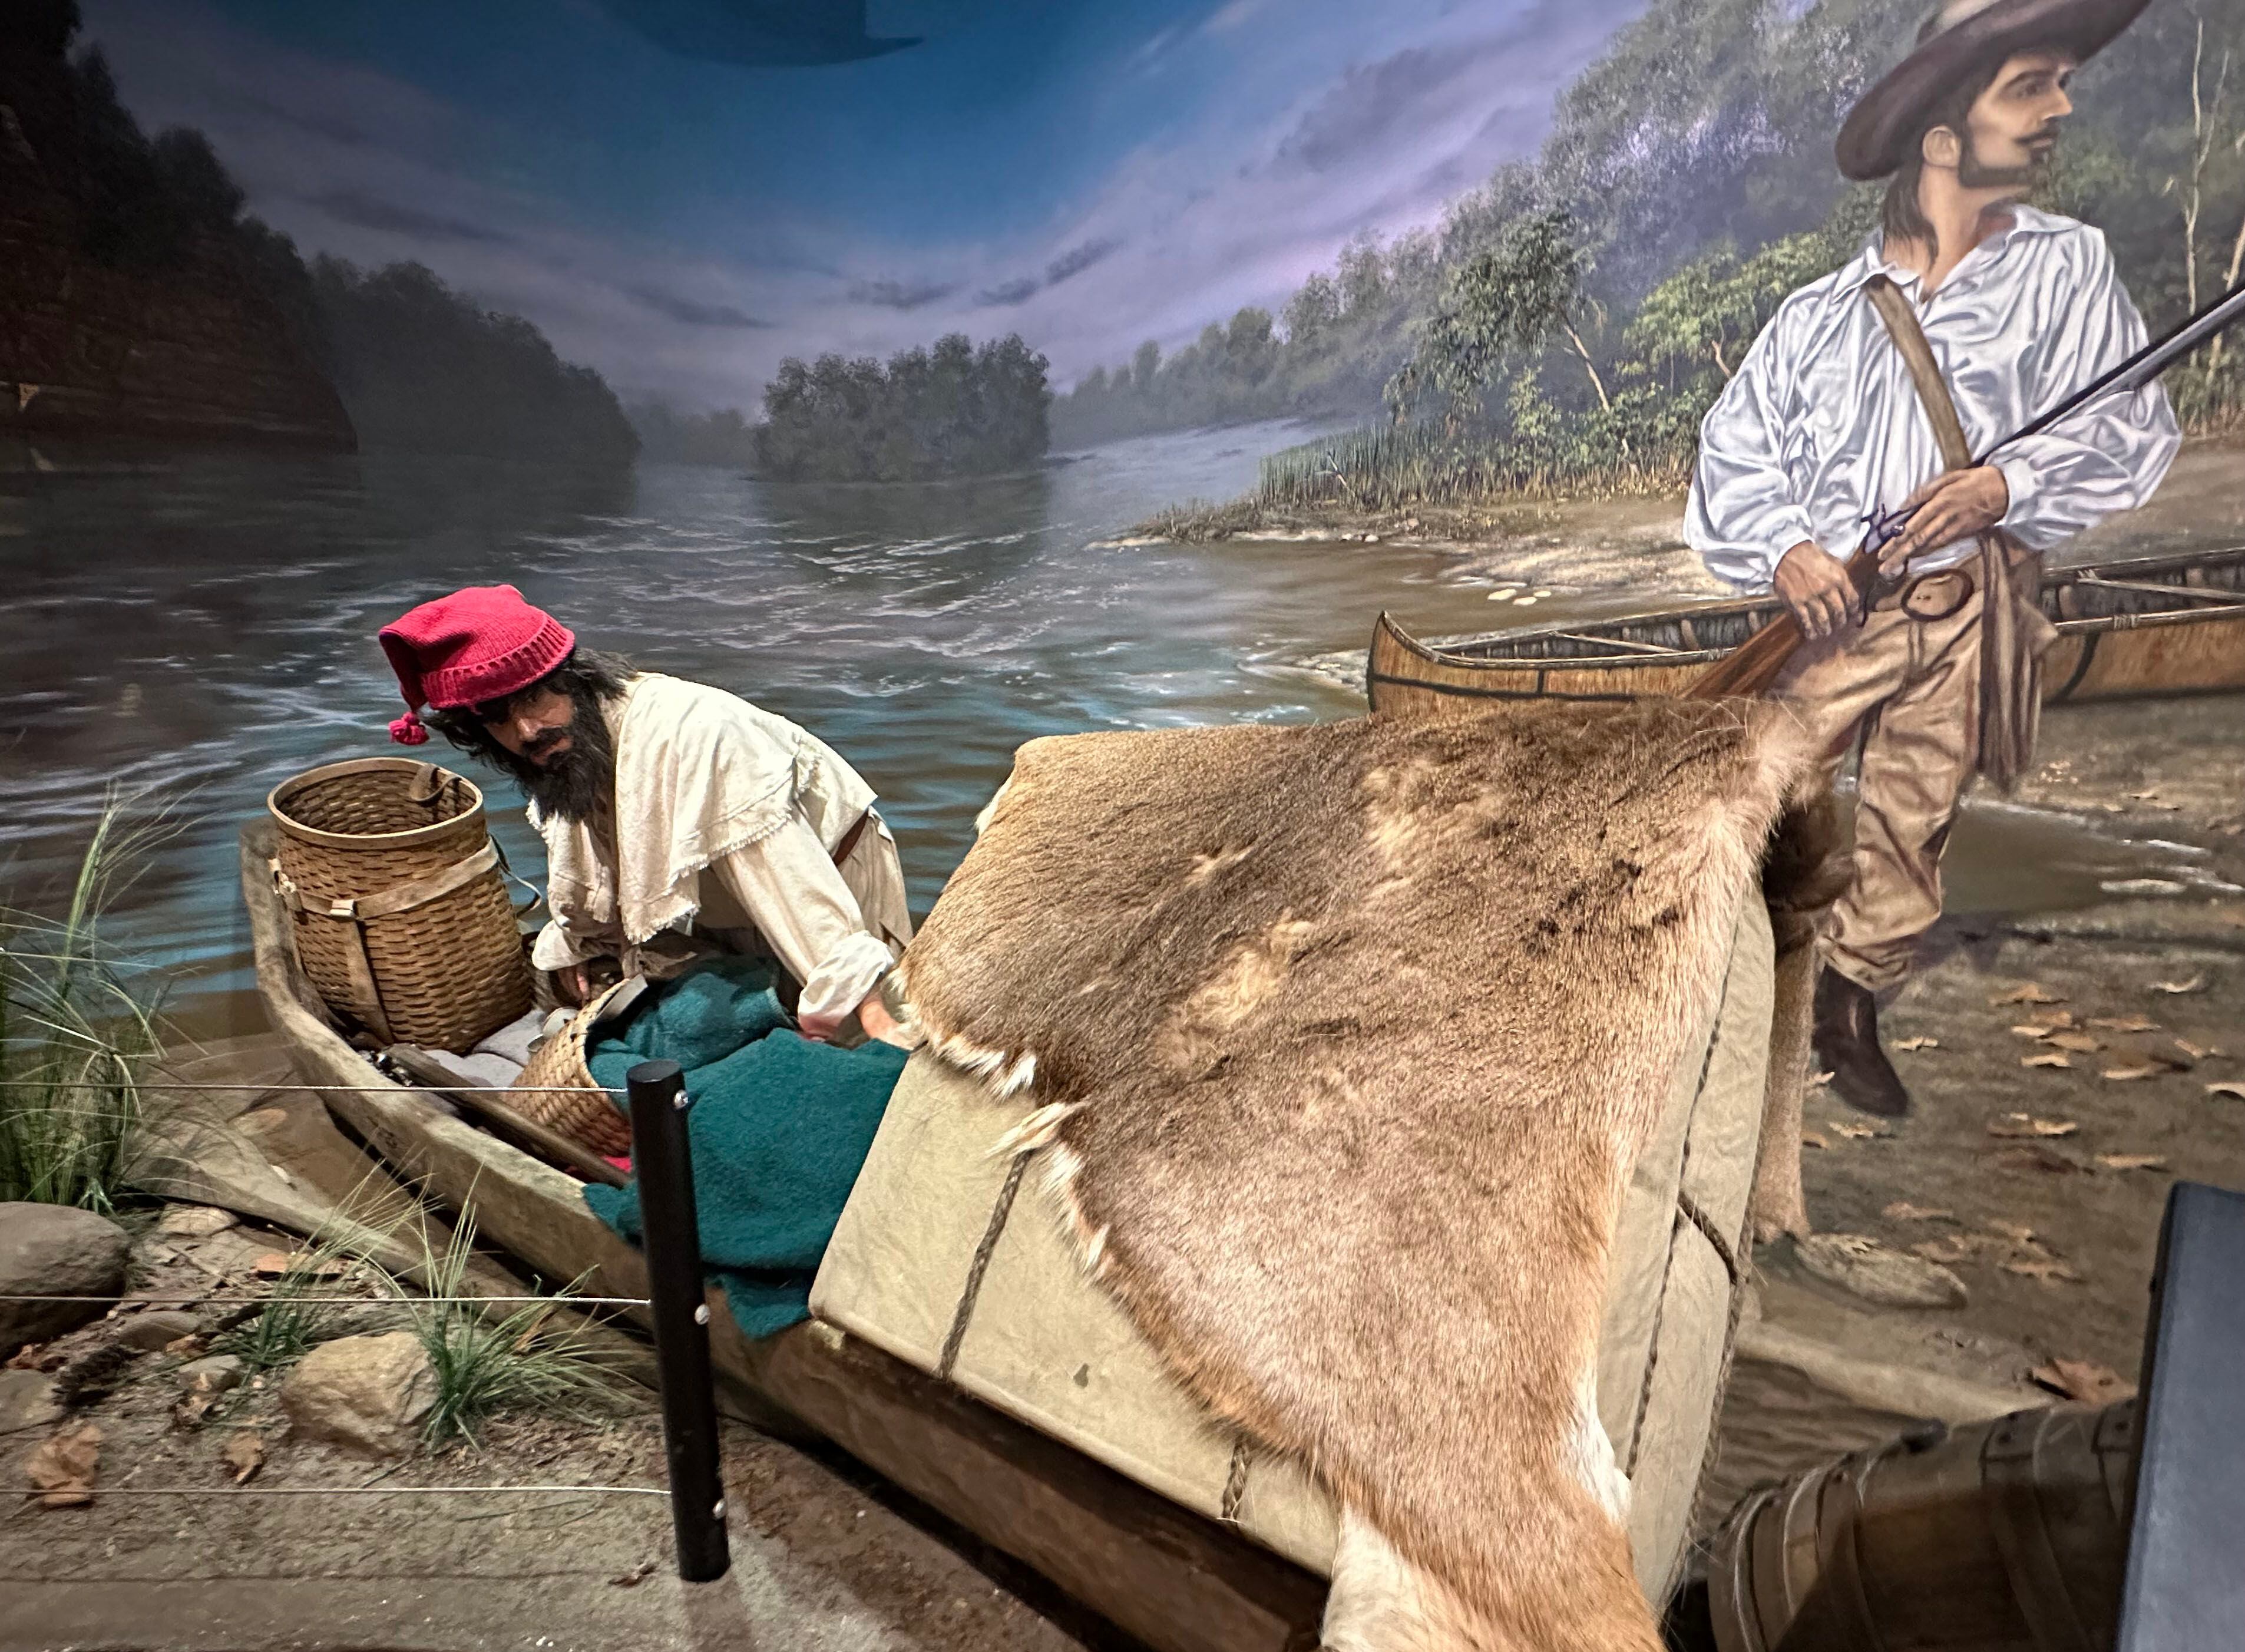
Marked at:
<point>779,1128</point>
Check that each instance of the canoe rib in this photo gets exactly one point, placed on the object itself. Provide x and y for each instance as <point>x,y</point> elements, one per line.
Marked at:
<point>1178,1582</point>
<point>2154,626</point>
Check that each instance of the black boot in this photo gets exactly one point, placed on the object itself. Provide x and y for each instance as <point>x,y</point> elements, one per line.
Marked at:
<point>1847,1047</point>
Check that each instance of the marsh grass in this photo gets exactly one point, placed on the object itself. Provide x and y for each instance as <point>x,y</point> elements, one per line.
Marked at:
<point>302,1315</point>
<point>487,1364</point>
<point>78,1031</point>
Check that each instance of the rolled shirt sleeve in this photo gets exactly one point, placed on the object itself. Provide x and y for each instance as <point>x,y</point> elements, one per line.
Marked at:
<point>792,891</point>
<point>2113,454</point>
<point>1742,516</point>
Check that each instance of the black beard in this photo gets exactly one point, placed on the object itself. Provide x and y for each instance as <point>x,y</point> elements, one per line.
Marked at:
<point>576,784</point>
<point>1972,174</point>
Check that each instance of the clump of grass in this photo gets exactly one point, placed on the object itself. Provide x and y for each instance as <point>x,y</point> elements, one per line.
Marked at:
<point>77,1034</point>
<point>487,1364</point>
<point>302,1313</point>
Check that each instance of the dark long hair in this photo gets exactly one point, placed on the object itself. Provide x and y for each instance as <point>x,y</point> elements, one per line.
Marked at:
<point>574,788</point>
<point>1901,218</point>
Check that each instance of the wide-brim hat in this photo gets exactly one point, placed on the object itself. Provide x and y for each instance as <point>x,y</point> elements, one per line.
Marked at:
<point>1962,37</point>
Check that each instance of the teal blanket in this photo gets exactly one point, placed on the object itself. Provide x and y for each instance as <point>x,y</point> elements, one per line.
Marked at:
<point>779,1127</point>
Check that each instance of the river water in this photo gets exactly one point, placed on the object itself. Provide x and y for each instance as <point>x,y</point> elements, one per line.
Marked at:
<point>195,628</point>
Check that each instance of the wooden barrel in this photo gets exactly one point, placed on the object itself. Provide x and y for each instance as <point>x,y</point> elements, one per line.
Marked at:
<point>402,918</point>
<point>2009,1535</point>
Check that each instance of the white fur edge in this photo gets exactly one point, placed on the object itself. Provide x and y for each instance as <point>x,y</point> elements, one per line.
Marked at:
<point>1380,1602</point>
<point>1036,1133</point>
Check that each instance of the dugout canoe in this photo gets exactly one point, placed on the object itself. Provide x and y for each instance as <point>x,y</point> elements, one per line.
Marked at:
<point>2147,627</point>
<point>1178,1582</point>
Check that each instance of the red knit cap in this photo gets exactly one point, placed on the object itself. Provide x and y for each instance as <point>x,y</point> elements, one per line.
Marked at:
<point>482,643</point>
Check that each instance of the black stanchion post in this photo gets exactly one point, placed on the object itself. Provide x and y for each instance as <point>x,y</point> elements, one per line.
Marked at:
<point>664,1164</point>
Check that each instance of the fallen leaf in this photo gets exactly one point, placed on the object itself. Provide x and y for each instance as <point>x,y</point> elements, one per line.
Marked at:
<point>1917,1043</point>
<point>636,1576</point>
<point>2228,1088</point>
<point>2017,1233</point>
<point>2079,1043</point>
<point>27,1358</point>
<point>188,1347</point>
<point>2047,1058</point>
<point>2077,1379</point>
<point>2033,992</point>
<point>2146,1070</point>
<point>2044,1268</point>
<point>2019,1123</point>
<point>1903,1211</point>
<point>64,1465</point>
<point>1810,1138</point>
<point>1947,1249</point>
<point>245,1455</point>
<point>2132,1161</point>
<point>1818,1080</point>
<point>273,1264</point>
<point>2196,1052</point>
<point>2196,983</point>
<point>2035,1158</point>
<point>1858,1132</point>
<point>2125,1023</point>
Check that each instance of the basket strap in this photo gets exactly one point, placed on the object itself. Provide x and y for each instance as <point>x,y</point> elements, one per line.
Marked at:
<point>365,996</point>
<point>419,891</point>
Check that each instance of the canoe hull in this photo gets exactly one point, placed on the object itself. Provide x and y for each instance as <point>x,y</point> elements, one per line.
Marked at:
<point>1178,1582</point>
<point>2120,635</point>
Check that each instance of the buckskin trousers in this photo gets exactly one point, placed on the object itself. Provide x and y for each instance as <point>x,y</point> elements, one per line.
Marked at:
<point>1909,682</point>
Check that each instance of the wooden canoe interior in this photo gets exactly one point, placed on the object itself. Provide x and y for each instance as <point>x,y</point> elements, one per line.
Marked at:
<point>2148,626</point>
<point>1178,1582</point>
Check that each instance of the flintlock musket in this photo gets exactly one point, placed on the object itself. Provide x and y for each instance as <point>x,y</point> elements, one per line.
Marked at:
<point>1750,669</point>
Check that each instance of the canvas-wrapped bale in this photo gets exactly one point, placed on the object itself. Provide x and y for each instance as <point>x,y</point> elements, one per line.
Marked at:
<point>400,909</point>
<point>1397,1086</point>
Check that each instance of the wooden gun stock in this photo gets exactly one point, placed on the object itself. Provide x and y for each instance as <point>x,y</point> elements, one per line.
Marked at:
<point>1747,670</point>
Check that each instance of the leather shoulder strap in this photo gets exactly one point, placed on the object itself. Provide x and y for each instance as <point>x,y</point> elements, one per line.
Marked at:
<point>1901,325</point>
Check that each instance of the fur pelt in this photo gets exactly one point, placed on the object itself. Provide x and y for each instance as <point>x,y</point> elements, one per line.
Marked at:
<point>1347,1037</point>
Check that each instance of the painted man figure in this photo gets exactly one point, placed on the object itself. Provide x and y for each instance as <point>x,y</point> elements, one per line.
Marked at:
<point>679,821</point>
<point>1823,425</point>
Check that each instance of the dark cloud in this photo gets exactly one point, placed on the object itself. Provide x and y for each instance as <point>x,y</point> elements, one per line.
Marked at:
<point>1019,291</point>
<point>1370,103</point>
<point>901,295</point>
<point>1078,259</point>
<point>756,33</point>
<point>691,311</point>
<point>366,211</point>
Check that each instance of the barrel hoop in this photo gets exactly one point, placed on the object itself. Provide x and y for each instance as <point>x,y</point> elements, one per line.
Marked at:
<point>2021,1529</point>
<point>963,1313</point>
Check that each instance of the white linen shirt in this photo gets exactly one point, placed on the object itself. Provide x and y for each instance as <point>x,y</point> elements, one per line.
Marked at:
<point>1820,425</point>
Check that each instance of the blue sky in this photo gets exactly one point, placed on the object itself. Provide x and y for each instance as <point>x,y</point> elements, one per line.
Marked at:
<point>1087,174</point>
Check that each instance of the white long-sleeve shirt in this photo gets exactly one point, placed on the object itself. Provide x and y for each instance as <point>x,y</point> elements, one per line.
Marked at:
<point>1821,426</point>
<point>728,816</point>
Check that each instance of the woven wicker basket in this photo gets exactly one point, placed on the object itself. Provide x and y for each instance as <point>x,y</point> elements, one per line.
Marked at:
<point>402,917</point>
<point>557,1090</point>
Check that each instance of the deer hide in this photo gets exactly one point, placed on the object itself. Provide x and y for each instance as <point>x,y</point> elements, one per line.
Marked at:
<point>1348,1036</point>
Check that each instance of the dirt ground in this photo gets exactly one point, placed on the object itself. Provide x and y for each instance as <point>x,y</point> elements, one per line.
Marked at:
<point>2015,1014</point>
<point>823,1557</point>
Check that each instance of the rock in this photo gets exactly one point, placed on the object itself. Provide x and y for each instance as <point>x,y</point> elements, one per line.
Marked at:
<point>365,1393</point>
<point>53,1250</point>
<point>195,1221</point>
<point>154,1333</point>
<point>213,1374</point>
<point>1877,1273</point>
<point>27,1400</point>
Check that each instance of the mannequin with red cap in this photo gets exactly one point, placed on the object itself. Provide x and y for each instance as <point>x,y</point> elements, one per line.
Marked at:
<point>680,821</point>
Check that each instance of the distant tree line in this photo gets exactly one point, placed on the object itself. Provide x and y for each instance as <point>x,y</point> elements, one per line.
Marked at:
<point>667,436</point>
<point>417,364</point>
<point>957,409</point>
<point>1571,320</point>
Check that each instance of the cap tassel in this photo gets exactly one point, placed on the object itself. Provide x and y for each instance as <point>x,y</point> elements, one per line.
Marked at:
<point>410,731</point>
